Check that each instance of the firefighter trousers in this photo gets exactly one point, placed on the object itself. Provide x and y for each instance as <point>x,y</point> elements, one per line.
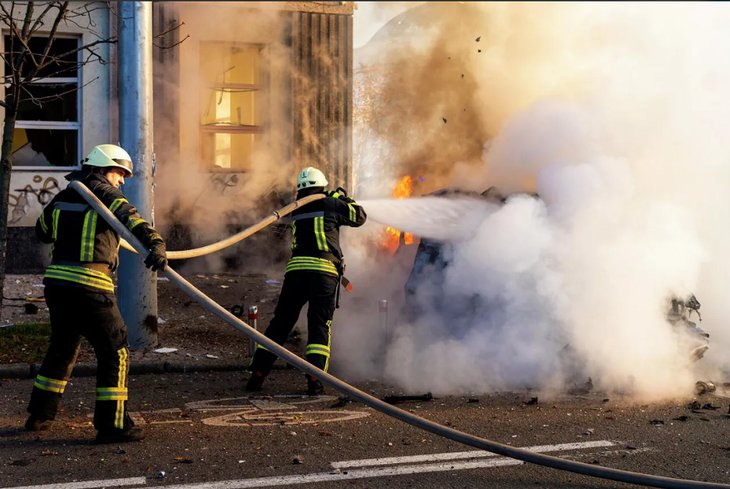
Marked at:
<point>301,287</point>
<point>76,313</point>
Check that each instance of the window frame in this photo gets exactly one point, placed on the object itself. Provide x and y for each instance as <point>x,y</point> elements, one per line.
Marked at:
<point>211,129</point>
<point>56,125</point>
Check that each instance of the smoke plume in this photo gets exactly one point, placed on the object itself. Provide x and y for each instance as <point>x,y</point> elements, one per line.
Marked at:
<point>197,203</point>
<point>602,124</point>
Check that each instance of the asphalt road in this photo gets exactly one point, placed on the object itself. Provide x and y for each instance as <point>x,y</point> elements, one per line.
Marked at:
<point>204,430</point>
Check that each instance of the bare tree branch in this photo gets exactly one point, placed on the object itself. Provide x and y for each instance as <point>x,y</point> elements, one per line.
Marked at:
<point>52,35</point>
<point>39,21</point>
<point>7,17</point>
<point>86,47</point>
<point>28,18</point>
<point>39,101</point>
<point>87,14</point>
<point>171,45</point>
<point>171,29</point>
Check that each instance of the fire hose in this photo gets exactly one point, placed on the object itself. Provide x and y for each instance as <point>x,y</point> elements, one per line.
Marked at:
<point>231,240</point>
<point>379,405</point>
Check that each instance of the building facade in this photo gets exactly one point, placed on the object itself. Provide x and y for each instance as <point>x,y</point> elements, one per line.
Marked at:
<point>245,94</point>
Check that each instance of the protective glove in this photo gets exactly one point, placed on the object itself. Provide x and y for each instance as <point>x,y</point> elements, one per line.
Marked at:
<point>343,195</point>
<point>157,257</point>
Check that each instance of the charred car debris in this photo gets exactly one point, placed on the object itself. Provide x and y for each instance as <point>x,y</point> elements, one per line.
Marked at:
<point>424,290</point>
<point>679,315</point>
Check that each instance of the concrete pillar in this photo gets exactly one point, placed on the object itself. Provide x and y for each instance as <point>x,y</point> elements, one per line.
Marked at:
<point>137,285</point>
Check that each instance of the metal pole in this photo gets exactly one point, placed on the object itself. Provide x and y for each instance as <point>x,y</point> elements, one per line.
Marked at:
<point>137,285</point>
<point>384,338</point>
<point>383,319</point>
<point>253,321</point>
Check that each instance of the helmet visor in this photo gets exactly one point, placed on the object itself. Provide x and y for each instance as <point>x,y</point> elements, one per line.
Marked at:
<point>124,164</point>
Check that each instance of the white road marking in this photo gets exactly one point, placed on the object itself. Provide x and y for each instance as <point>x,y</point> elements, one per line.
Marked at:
<point>370,472</point>
<point>290,480</point>
<point>446,462</point>
<point>373,462</point>
<point>130,481</point>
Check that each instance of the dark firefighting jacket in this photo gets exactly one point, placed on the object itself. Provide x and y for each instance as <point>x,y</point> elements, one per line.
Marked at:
<point>316,234</point>
<point>85,248</point>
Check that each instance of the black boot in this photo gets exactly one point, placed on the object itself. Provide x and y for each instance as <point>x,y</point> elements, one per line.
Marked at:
<point>255,381</point>
<point>314,387</point>
<point>34,423</point>
<point>134,433</point>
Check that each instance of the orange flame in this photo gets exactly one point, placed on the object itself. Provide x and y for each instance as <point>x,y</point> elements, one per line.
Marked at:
<point>394,237</point>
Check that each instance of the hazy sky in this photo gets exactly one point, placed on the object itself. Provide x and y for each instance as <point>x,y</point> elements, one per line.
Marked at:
<point>371,16</point>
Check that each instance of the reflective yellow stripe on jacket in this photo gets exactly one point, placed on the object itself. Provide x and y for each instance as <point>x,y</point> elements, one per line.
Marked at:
<point>115,205</point>
<point>319,234</point>
<point>42,220</point>
<point>294,235</point>
<point>88,233</point>
<point>311,263</point>
<point>134,222</point>
<point>81,275</point>
<point>56,213</point>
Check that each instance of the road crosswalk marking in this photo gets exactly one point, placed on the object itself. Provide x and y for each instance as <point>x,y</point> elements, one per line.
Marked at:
<point>353,469</point>
<point>129,481</point>
<point>434,457</point>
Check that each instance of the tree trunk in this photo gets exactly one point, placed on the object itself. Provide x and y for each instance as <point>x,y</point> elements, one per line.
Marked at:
<point>6,169</point>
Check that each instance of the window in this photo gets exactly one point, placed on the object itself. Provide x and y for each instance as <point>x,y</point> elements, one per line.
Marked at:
<point>231,102</point>
<point>47,128</point>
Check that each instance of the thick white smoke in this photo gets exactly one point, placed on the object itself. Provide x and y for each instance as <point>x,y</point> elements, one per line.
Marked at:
<point>612,114</point>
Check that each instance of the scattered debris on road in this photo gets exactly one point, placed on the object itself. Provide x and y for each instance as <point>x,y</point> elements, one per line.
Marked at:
<point>394,399</point>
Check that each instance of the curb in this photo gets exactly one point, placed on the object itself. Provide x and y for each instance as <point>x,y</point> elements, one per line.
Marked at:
<point>30,370</point>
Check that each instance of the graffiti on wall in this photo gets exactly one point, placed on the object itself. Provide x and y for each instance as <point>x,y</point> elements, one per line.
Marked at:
<point>223,181</point>
<point>27,201</point>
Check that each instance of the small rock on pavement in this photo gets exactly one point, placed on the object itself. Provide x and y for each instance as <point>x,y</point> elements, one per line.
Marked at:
<point>22,462</point>
<point>298,460</point>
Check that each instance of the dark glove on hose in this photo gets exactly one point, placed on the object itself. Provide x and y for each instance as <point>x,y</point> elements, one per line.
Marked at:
<point>347,199</point>
<point>157,257</point>
<point>343,195</point>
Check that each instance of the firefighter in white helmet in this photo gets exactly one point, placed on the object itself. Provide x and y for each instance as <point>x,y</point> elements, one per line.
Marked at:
<point>80,293</point>
<point>313,276</point>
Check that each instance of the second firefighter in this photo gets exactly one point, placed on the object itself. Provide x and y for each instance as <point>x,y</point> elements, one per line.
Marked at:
<point>313,275</point>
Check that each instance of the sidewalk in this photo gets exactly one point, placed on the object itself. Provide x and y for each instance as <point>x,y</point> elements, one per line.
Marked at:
<point>88,369</point>
<point>198,341</point>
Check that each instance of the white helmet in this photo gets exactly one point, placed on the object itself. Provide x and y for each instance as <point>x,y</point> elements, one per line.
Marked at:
<point>109,155</point>
<point>311,177</point>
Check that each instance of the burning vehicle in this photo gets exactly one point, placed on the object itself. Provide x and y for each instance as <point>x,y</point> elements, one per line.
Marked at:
<point>425,293</point>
